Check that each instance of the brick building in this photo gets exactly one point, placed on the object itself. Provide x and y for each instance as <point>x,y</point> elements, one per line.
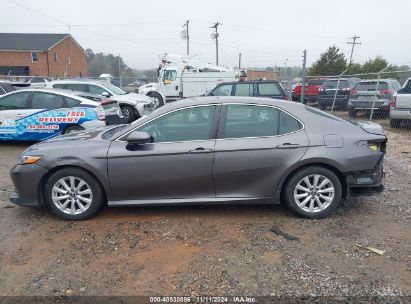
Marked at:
<point>53,55</point>
<point>257,74</point>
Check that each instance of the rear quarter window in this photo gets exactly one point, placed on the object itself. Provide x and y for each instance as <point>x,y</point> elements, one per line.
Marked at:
<point>268,89</point>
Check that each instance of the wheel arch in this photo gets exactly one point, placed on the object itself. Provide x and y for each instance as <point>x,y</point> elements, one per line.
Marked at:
<point>133,107</point>
<point>42,183</point>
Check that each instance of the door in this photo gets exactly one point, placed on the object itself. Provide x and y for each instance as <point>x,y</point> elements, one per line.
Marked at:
<point>177,165</point>
<point>244,89</point>
<point>270,89</point>
<point>13,108</point>
<point>170,84</point>
<point>255,145</point>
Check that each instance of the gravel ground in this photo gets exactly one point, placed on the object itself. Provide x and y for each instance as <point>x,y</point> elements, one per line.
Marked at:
<point>220,250</point>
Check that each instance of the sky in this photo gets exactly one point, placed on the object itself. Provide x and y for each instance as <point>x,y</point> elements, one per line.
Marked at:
<point>267,33</point>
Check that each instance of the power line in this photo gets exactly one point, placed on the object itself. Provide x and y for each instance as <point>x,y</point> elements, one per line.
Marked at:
<point>353,45</point>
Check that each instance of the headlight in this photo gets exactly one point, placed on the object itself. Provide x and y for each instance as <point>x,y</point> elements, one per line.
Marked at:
<point>28,160</point>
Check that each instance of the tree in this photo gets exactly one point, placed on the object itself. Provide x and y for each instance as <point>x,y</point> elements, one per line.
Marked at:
<point>354,68</point>
<point>375,65</point>
<point>332,62</point>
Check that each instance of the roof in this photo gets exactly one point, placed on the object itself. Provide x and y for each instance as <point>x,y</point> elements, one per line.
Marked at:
<point>29,41</point>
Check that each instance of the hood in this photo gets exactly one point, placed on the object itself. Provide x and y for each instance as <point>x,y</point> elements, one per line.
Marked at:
<point>148,86</point>
<point>132,97</point>
<point>369,127</point>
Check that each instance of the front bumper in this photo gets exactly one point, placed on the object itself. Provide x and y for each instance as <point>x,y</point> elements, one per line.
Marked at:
<point>26,180</point>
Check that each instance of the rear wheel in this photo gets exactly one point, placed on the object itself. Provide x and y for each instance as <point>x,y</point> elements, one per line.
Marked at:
<point>73,194</point>
<point>128,113</point>
<point>72,129</point>
<point>352,113</point>
<point>313,192</point>
<point>157,99</point>
<point>323,106</point>
<point>394,123</point>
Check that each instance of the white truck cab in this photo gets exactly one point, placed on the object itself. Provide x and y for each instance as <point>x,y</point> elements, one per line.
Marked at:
<point>182,77</point>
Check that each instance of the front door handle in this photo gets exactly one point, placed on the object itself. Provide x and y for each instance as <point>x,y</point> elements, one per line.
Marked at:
<point>201,150</point>
<point>19,115</point>
<point>288,146</point>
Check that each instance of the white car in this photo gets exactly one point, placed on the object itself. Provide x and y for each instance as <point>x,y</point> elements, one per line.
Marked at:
<point>38,82</point>
<point>132,105</point>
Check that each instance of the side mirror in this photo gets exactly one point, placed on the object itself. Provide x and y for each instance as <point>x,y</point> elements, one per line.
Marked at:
<point>106,94</point>
<point>138,138</point>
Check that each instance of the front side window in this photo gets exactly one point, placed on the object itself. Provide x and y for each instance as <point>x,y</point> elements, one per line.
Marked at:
<point>14,101</point>
<point>170,75</point>
<point>183,125</point>
<point>257,121</point>
<point>244,89</point>
<point>96,90</point>
<point>222,90</point>
<point>42,100</point>
<point>71,102</point>
<point>34,57</point>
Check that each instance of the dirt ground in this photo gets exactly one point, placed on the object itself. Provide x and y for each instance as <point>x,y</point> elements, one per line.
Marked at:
<point>220,250</point>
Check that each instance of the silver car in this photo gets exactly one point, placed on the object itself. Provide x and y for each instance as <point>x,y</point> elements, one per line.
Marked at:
<point>208,150</point>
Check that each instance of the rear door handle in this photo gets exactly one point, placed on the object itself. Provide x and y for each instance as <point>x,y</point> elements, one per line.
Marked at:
<point>201,150</point>
<point>19,115</point>
<point>288,146</point>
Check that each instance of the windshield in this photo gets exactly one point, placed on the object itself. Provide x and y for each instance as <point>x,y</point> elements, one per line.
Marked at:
<point>112,88</point>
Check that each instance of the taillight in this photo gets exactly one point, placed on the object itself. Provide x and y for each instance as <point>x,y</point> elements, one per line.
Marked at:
<point>353,92</point>
<point>100,113</point>
<point>107,101</point>
<point>393,102</point>
<point>385,92</point>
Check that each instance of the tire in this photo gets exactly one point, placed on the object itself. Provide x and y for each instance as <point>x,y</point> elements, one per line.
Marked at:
<point>394,123</point>
<point>352,113</point>
<point>54,189</point>
<point>293,192</point>
<point>72,129</point>
<point>158,98</point>
<point>323,106</point>
<point>128,113</point>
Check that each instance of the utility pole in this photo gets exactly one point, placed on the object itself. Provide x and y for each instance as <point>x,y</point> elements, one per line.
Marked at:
<point>119,71</point>
<point>185,25</point>
<point>354,43</point>
<point>304,75</point>
<point>216,35</point>
<point>239,61</point>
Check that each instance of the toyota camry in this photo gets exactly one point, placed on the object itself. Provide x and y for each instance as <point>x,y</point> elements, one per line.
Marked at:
<point>208,150</point>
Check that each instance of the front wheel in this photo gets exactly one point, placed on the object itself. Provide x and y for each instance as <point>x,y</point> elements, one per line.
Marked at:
<point>313,192</point>
<point>159,102</point>
<point>128,113</point>
<point>73,194</point>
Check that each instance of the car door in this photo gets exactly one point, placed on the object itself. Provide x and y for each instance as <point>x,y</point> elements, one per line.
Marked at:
<point>176,165</point>
<point>13,108</point>
<point>270,89</point>
<point>244,89</point>
<point>255,145</point>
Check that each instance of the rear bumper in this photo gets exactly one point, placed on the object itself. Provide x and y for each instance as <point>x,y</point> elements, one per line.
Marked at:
<point>400,113</point>
<point>366,182</point>
<point>26,180</point>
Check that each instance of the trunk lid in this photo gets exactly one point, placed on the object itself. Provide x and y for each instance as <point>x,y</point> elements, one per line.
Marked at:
<point>369,127</point>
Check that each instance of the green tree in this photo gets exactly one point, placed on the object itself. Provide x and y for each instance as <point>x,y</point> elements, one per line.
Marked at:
<point>375,65</point>
<point>332,62</point>
<point>354,68</point>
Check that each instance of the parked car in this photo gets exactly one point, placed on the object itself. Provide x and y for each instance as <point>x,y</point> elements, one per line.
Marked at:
<point>209,150</point>
<point>365,95</point>
<point>38,82</point>
<point>312,88</point>
<point>327,92</point>
<point>132,105</point>
<point>6,87</point>
<point>400,106</point>
<point>38,114</point>
<point>253,88</point>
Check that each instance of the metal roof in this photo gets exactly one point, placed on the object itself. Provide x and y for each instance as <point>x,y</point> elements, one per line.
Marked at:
<point>29,41</point>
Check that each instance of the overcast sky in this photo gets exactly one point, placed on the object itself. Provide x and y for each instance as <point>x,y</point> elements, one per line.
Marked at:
<point>265,32</point>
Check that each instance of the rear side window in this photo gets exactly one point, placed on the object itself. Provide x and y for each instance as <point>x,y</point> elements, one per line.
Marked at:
<point>59,86</point>
<point>93,89</point>
<point>14,101</point>
<point>222,90</point>
<point>268,89</point>
<point>371,86</point>
<point>46,101</point>
<point>71,102</point>
<point>244,89</point>
<point>257,121</point>
<point>76,87</point>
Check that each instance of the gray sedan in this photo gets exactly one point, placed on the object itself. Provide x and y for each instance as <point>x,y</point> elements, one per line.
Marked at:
<point>208,150</point>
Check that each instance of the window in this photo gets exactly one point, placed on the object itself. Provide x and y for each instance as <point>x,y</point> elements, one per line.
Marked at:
<point>34,57</point>
<point>71,102</point>
<point>316,81</point>
<point>222,90</point>
<point>55,57</point>
<point>93,89</point>
<point>42,100</point>
<point>269,89</point>
<point>170,75</point>
<point>183,125</point>
<point>257,121</point>
<point>371,86</point>
<point>244,89</point>
<point>14,101</point>
<point>60,86</point>
<point>80,87</point>
<point>332,84</point>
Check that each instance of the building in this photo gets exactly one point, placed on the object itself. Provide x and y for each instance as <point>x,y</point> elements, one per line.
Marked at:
<point>257,74</point>
<point>52,55</point>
